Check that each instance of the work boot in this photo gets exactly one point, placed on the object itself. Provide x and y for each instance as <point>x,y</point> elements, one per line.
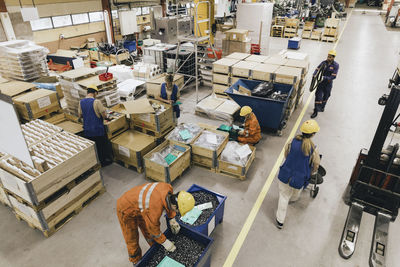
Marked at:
<point>322,109</point>
<point>278,224</point>
<point>315,113</point>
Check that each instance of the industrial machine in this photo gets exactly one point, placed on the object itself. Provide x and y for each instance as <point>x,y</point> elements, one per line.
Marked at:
<point>374,185</point>
<point>165,30</point>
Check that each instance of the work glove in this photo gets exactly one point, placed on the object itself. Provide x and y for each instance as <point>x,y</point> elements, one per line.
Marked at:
<point>175,227</point>
<point>169,246</point>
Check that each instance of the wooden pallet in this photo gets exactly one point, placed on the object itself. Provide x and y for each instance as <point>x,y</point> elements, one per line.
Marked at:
<point>329,39</point>
<point>78,74</point>
<point>68,212</point>
<point>204,166</point>
<point>237,175</point>
<point>154,133</point>
<point>129,166</point>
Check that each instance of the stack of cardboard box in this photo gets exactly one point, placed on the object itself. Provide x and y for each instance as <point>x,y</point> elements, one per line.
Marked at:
<point>236,40</point>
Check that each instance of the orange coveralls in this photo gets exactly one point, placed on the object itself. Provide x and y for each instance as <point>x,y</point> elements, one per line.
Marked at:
<point>141,207</point>
<point>252,126</point>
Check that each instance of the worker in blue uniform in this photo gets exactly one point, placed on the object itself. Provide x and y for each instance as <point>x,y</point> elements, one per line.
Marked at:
<point>93,113</point>
<point>302,160</point>
<point>331,68</point>
<point>169,94</point>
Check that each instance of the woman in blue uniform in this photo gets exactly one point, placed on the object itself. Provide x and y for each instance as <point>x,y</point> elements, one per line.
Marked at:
<point>169,94</point>
<point>302,160</point>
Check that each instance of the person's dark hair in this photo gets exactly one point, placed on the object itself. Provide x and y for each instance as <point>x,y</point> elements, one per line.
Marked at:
<point>91,91</point>
<point>173,199</point>
<point>306,135</point>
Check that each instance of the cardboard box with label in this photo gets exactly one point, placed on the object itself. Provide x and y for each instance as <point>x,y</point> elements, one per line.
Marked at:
<point>237,35</point>
<point>36,104</point>
<point>130,147</point>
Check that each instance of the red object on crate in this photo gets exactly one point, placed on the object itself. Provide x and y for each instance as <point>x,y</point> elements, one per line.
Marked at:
<point>59,67</point>
<point>105,76</point>
<point>218,52</point>
<point>255,49</point>
<point>93,64</point>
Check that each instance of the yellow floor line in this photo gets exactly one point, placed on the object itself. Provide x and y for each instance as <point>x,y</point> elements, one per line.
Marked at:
<point>254,211</point>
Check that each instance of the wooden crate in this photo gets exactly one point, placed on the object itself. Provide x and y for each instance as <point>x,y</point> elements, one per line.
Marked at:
<point>287,75</point>
<point>330,32</point>
<point>304,65</point>
<point>257,58</point>
<point>224,65</point>
<point>242,68</point>
<point>153,86</point>
<point>116,126</point>
<point>57,213</point>
<point>330,39</point>
<point>316,35</point>
<point>4,197</point>
<point>306,34</point>
<point>332,23</point>
<point>117,59</point>
<point>220,88</point>
<point>238,56</point>
<point>221,78</point>
<point>78,74</point>
<point>237,35</point>
<point>130,147</point>
<point>172,141</point>
<point>36,104</point>
<point>153,122</point>
<point>277,30</point>
<point>167,174</point>
<point>264,72</point>
<point>69,123</point>
<point>234,170</point>
<point>16,88</point>
<point>308,26</point>
<point>35,191</point>
<point>276,60</point>
<point>207,157</point>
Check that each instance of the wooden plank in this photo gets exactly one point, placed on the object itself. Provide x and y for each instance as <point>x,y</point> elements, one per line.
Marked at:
<point>15,88</point>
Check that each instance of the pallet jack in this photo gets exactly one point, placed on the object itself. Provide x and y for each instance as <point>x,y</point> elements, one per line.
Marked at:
<point>374,185</point>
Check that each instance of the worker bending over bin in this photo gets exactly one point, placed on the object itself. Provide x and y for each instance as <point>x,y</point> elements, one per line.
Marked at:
<point>302,159</point>
<point>169,94</point>
<point>93,113</point>
<point>251,134</point>
<point>142,206</point>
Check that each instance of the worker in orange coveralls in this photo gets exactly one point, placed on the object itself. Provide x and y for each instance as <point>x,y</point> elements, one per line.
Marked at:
<point>251,133</point>
<point>142,207</point>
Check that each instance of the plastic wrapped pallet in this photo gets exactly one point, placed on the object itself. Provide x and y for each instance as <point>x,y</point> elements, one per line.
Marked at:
<point>217,108</point>
<point>23,60</point>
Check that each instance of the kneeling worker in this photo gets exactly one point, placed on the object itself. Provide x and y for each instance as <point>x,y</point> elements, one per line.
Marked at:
<point>142,207</point>
<point>93,113</point>
<point>251,133</point>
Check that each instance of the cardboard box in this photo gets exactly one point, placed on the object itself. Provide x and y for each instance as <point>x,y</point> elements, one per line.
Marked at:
<point>237,35</point>
<point>116,126</point>
<point>131,146</point>
<point>16,88</point>
<point>36,104</point>
<point>229,47</point>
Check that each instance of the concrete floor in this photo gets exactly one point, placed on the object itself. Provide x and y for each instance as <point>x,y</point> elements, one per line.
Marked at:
<point>367,54</point>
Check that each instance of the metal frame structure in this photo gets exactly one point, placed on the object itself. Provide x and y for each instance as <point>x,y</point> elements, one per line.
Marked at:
<point>197,39</point>
<point>374,185</point>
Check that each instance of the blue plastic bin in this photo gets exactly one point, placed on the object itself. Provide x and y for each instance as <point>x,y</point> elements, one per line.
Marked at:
<point>205,258</point>
<point>294,43</point>
<point>215,219</point>
<point>270,113</point>
<point>130,45</point>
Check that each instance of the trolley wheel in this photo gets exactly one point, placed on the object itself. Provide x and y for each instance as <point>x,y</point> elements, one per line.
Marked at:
<point>314,192</point>
<point>279,132</point>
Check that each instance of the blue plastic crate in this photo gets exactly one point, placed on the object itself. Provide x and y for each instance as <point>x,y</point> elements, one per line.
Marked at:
<point>294,43</point>
<point>215,219</point>
<point>205,258</point>
<point>269,112</point>
<point>130,45</point>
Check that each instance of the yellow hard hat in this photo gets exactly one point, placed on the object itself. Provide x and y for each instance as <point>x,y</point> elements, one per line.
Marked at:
<point>94,87</point>
<point>332,52</point>
<point>309,127</point>
<point>185,202</point>
<point>246,110</point>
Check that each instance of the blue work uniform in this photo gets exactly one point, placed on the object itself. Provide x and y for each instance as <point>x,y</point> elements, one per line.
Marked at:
<point>174,97</point>
<point>325,87</point>
<point>92,125</point>
<point>296,169</point>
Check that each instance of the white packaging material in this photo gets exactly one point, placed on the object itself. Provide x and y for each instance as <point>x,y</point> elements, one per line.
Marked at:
<point>209,140</point>
<point>236,153</point>
<point>128,87</point>
<point>121,72</point>
<point>260,12</point>
<point>192,128</point>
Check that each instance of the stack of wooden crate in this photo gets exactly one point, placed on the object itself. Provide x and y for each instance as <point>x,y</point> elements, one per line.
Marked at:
<point>277,30</point>
<point>291,27</point>
<point>307,29</point>
<point>222,73</point>
<point>331,30</point>
<point>303,65</point>
<point>65,178</point>
<point>316,35</point>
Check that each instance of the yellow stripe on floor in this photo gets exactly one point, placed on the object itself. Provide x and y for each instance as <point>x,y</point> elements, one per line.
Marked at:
<point>256,207</point>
